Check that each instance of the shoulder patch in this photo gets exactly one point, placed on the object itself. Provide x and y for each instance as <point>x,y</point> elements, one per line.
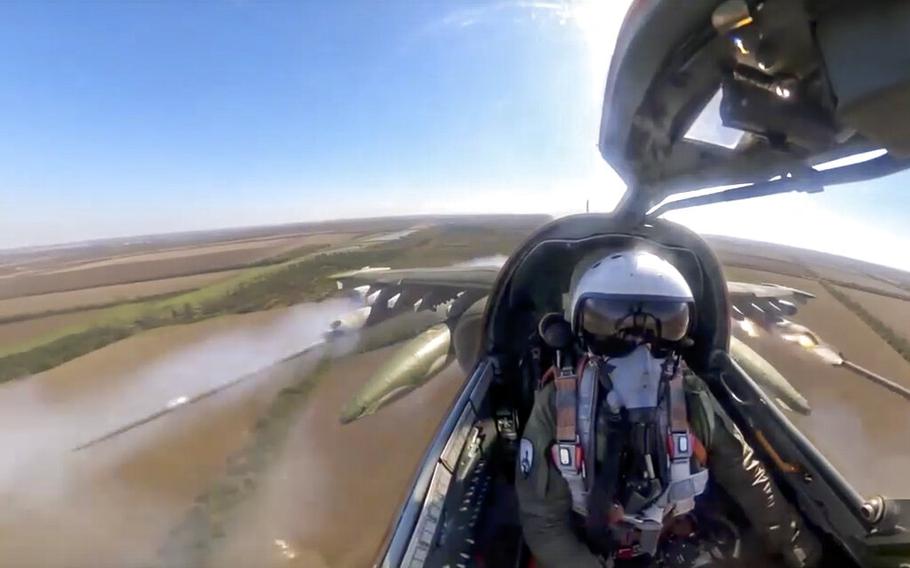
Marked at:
<point>525,457</point>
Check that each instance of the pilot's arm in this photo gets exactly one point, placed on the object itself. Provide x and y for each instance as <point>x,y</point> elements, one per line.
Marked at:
<point>544,500</point>
<point>733,464</point>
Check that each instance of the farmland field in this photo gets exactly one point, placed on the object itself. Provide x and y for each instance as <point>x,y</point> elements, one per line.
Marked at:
<point>156,265</point>
<point>35,305</point>
<point>27,330</point>
<point>164,410</point>
<point>847,412</point>
<point>299,278</point>
<point>895,314</point>
<point>139,484</point>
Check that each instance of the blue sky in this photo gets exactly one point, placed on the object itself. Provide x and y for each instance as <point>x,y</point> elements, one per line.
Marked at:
<point>119,118</point>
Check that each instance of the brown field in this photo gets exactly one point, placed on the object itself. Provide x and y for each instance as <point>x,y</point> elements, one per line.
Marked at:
<point>748,254</point>
<point>807,263</point>
<point>136,375</point>
<point>264,248</point>
<point>174,254</point>
<point>859,279</point>
<point>139,485</point>
<point>135,487</point>
<point>854,423</point>
<point>330,490</point>
<point>356,476</point>
<point>892,312</point>
<point>101,295</point>
<point>156,265</point>
<point>859,427</point>
<point>25,330</point>
<point>760,263</point>
<point>37,259</point>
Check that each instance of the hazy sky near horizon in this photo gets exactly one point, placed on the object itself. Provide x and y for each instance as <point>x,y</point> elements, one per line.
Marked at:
<point>123,118</point>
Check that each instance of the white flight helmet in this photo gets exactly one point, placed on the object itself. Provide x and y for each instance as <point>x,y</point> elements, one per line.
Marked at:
<point>628,298</point>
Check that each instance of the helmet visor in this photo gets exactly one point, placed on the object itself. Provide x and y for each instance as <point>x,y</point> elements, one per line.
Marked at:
<point>658,320</point>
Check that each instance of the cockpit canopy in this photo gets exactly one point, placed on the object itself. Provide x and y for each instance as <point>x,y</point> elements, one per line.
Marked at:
<point>538,276</point>
<point>797,83</point>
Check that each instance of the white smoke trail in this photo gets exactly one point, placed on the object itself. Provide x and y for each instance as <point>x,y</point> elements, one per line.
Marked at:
<point>123,481</point>
<point>221,360</point>
<point>495,260</point>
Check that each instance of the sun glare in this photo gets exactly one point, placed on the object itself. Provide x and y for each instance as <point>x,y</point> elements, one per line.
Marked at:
<point>850,160</point>
<point>599,23</point>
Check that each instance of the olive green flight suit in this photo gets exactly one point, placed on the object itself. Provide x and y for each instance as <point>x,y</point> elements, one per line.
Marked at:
<point>545,501</point>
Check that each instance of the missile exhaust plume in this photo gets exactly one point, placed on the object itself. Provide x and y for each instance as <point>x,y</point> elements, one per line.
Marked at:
<point>748,326</point>
<point>493,260</point>
<point>350,322</point>
<point>810,341</point>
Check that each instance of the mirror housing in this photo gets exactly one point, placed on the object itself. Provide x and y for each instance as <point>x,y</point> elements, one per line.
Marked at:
<point>555,331</point>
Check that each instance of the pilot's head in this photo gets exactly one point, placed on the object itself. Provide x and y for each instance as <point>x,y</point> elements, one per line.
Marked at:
<point>628,299</point>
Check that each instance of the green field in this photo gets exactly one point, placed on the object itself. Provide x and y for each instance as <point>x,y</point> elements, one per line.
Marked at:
<point>304,278</point>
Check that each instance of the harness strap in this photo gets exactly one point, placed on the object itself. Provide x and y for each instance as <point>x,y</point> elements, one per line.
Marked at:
<point>678,416</point>
<point>548,376</point>
<point>587,416</point>
<point>682,446</point>
<point>569,459</point>
<point>574,451</point>
<point>566,400</point>
<point>574,432</point>
<point>679,443</point>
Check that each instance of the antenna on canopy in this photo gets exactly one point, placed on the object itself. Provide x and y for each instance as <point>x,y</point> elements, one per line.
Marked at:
<point>587,205</point>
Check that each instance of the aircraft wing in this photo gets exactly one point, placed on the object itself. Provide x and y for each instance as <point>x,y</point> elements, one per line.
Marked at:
<point>391,292</point>
<point>764,304</point>
<point>406,303</point>
<point>465,277</point>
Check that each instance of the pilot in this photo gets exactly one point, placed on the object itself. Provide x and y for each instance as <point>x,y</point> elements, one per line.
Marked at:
<point>622,439</point>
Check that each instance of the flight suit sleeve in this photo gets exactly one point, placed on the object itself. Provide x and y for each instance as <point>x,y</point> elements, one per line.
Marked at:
<point>733,464</point>
<point>544,500</point>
